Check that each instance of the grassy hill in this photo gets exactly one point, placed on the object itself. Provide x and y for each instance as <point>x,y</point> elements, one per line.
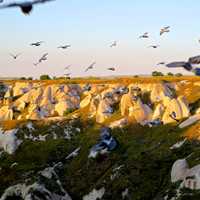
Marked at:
<point>141,163</point>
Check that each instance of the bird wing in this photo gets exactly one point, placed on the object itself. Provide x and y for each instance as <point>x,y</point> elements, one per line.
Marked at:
<point>12,55</point>
<point>45,55</point>
<point>175,64</point>
<point>87,69</point>
<point>41,1</point>
<point>10,5</point>
<point>194,60</point>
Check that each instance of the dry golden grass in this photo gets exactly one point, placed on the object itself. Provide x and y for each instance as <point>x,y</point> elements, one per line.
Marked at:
<point>114,80</point>
<point>193,132</point>
<point>11,124</point>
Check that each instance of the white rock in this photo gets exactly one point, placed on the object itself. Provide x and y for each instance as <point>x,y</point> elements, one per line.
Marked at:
<point>95,194</point>
<point>9,141</point>
<point>179,170</point>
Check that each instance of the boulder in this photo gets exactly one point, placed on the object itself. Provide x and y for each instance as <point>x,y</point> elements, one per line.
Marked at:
<point>141,112</point>
<point>179,107</point>
<point>86,101</point>
<point>104,110</point>
<point>9,141</point>
<point>62,106</point>
<point>190,177</point>
<point>125,103</point>
<point>6,113</point>
<point>179,170</point>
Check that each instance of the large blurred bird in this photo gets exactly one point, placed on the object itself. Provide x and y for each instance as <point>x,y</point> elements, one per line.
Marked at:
<point>190,65</point>
<point>26,7</point>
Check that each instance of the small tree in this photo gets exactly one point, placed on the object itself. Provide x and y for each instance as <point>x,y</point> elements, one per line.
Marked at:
<point>178,74</point>
<point>30,78</point>
<point>170,74</point>
<point>45,77</point>
<point>156,73</point>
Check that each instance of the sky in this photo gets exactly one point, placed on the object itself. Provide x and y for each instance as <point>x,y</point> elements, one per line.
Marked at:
<point>90,26</point>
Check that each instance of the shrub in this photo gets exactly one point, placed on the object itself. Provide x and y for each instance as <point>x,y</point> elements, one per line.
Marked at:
<point>156,73</point>
<point>170,74</point>
<point>178,74</point>
<point>45,77</point>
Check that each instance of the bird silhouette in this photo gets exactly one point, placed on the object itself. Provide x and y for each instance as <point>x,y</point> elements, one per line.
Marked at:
<point>43,58</point>
<point>37,44</point>
<point>90,66</point>
<point>164,30</point>
<point>67,67</point>
<point>15,56</point>
<point>111,69</point>
<point>145,35</point>
<point>26,7</point>
<point>190,65</point>
<point>161,63</point>
<point>114,44</point>
<point>154,46</point>
<point>64,47</point>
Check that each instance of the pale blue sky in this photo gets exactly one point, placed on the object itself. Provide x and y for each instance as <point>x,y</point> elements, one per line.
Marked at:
<point>90,26</point>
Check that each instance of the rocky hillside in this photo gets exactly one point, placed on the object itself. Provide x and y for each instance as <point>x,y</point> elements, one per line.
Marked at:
<point>52,145</point>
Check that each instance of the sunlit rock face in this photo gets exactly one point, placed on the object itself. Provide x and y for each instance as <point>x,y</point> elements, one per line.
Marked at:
<point>142,102</point>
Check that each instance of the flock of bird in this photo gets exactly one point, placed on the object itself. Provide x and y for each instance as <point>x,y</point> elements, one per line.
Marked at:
<point>44,57</point>
<point>27,7</point>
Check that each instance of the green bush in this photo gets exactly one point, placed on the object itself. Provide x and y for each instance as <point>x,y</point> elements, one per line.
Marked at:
<point>156,73</point>
<point>178,74</point>
<point>170,74</point>
<point>45,77</point>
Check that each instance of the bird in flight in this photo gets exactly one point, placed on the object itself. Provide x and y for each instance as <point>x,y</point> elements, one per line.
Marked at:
<point>165,29</point>
<point>43,58</point>
<point>145,35</point>
<point>37,44</point>
<point>15,56</point>
<point>90,66</point>
<point>67,67</point>
<point>154,46</point>
<point>114,44</point>
<point>26,7</point>
<point>64,47</point>
<point>190,65</point>
<point>111,69</point>
<point>161,63</point>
